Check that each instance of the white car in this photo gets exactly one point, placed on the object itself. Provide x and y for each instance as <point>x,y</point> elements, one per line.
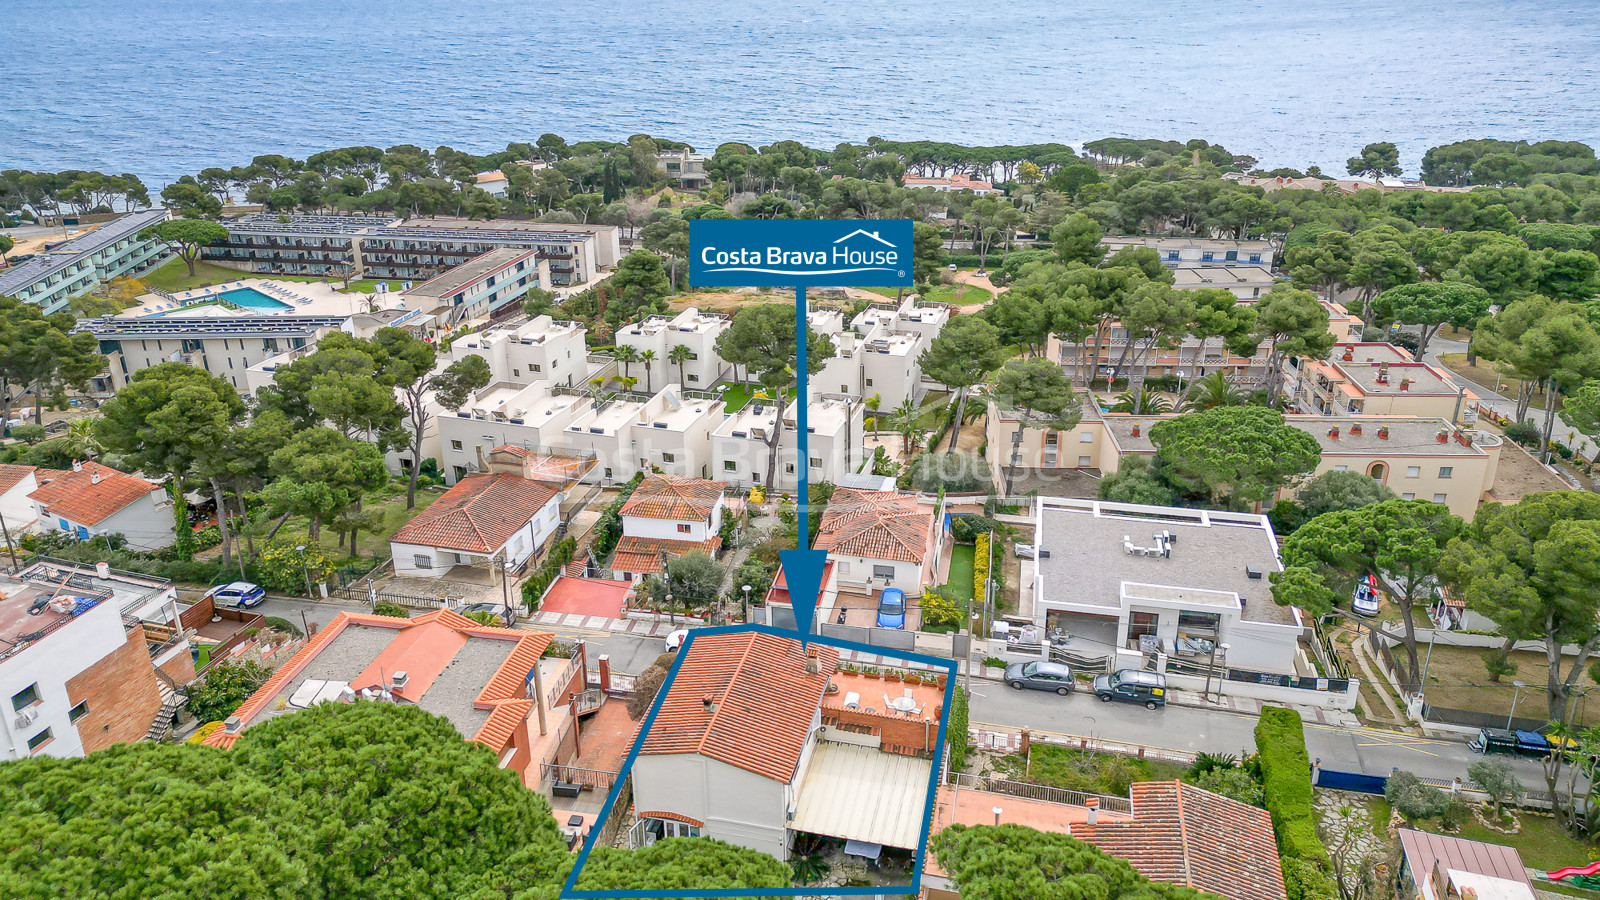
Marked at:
<point>676,639</point>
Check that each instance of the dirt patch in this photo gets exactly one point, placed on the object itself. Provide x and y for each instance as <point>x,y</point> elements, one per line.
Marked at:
<point>1519,474</point>
<point>1484,375</point>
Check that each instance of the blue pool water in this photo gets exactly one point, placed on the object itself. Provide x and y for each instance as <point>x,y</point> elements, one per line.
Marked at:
<point>253,299</point>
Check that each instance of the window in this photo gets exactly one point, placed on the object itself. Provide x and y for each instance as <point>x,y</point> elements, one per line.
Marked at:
<point>1049,439</point>
<point>608,471</point>
<point>1084,437</point>
<point>461,472</point>
<point>1231,256</point>
<point>1439,498</point>
<point>882,571</point>
<point>729,465</point>
<point>1446,471</point>
<point>455,445</point>
<point>669,457</point>
<point>1140,624</point>
<point>694,377</point>
<point>1083,462</point>
<point>1172,254</point>
<point>535,367</point>
<point>25,698</point>
<point>422,561</point>
<point>1408,496</point>
<point>1341,468</point>
<point>516,373</point>
<point>844,388</point>
<point>788,468</point>
<point>816,462</point>
<point>1255,257</point>
<point>40,739</point>
<point>1413,471</point>
<point>1207,256</point>
<point>683,528</point>
<point>78,712</point>
<point>869,382</point>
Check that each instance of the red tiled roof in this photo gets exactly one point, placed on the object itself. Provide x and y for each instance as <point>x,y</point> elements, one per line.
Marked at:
<point>763,696</point>
<point>90,494</point>
<point>478,515</point>
<point>11,476</point>
<point>643,555</point>
<point>674,497</point>
<point>658,814</point>
<point>1181,834</point>
<point>875,525</point>
<point>422,647</point>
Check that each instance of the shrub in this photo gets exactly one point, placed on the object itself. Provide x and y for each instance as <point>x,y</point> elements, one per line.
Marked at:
<point>1413,799</point>
<point>207,537</point>
<point>284,566</point>
<point>955,732</point>
<point>393,610</point>
<point>533,589</point>
<point>1234,783</point>
<point>285,626</point>
<point>954,472</point>
<point>940,611</point>
<point>980,567</point>
<point>1304,880</point>
<point>1286,784</point>
<point>1525,432</point>
<point>215,697</point>
<point>28,434</point>
<point>966,527</point>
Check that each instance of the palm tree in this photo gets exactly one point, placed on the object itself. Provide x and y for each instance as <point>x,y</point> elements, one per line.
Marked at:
<point>680,354</point>
<point>627,382</point>
<point>80,440</point>
<point>905,418</point>
<point>627,356</point>
<point>648,357</point>
<point>872,403</point>
<point>1146,401</point>
<point>1211,391</point>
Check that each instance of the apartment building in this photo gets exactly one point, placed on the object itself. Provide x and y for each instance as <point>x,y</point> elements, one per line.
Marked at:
<point>540,349</point>
<point>669,431</point>
<point>740,453</point>
<point>690,328</point>
<point>1377,379</point>
<point>224,346</point>
<point>880,352</point>
<point>77,664</point>
<point>1419,458</point>
<point>87,261</point>
<point>407,250</point>
<point>685,168</point>
<point>490,285</point>
<point>1197,251</point>
<point>1244,282</point>
<point>523,415</point>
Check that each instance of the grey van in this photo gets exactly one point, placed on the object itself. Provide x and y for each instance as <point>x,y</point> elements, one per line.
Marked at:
<point>1132,686</point>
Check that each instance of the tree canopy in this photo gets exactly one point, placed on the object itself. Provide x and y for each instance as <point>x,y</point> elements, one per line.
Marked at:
<point>1014,862</point>
<point>1235,455</point>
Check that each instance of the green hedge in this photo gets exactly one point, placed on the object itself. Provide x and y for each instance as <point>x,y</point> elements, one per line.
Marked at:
<point>955,732</point>
<point>533,589</point>
<point>608,530</point>
<point>1286,778</point>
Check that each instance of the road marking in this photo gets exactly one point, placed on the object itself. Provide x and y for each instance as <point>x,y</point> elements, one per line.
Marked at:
<point>1378,738</point>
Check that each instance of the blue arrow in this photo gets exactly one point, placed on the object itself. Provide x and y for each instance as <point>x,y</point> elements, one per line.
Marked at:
<point>802,567</point>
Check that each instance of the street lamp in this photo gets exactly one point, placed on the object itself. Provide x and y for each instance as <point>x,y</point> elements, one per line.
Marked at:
<point>304,569</point>
<point>1517,690</point>
<point>745,607</point>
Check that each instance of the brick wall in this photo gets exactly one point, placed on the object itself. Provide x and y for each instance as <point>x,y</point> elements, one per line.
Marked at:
<point>121,693</point>
<point>912,737</point>
<point>180,668</point>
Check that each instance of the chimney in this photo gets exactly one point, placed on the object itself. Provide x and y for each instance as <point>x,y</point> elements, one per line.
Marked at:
<point>1355,429</point>
<point>605,673</point>
<point>813,664</point>
<point>94,477</point>
<point>1383,373</point>
<point>1442,437</point>
<point>400,679</point>
<point>1383,432</point>
<point>710,704</point>
<point>1093,803</point>
<point>231,725</point>
<point>1349,354</point>
<point>483,464</point>
<point>1334,432</point>
<point>77,466</point>
<point>1136,429</point>
<point>1405,384</point>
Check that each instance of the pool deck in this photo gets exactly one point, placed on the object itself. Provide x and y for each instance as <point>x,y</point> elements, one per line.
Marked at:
<point>287,298</point>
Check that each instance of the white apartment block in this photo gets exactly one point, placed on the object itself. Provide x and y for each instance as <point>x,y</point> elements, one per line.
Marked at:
<point>520,415</point>
<point>1182,251</point>
<point>670,430</point>
<point>482,286</point>
<point>740,452</point>
<point>541,349</point>
<point>691,328</point>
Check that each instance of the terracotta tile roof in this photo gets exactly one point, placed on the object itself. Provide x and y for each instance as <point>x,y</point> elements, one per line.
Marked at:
<point>91,493</point>
<point>674,497</point>
<point>875,525</point>
<point>659,814</point>
<point>1181,834</point>
<point>763,698</point>
<point>422,647</point>
<point>643,555</point>
<point>478,515</point>
<point>11,476</point>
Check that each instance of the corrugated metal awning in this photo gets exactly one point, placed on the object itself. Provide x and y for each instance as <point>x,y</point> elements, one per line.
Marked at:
<point>863,794</point>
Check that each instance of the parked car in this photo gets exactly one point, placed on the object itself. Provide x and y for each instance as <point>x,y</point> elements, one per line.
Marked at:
<point>237,595</point>
<point>1026,551</point>
<point>676,638</point>
<point>1040,676</point>
<point>498,610</point>
<point>1366,599</point>
<point>1132,686</point>
<point>892,608</point>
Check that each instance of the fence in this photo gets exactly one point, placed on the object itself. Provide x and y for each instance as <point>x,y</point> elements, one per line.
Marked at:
<point>1335,780</point>
<point>598,779</point>
<point>1121,748</point>
<point>890,638</point>
<point>1088,665</point>
<point>1040,792</point>
<point>1400,673</point>
<point>1471,718</point>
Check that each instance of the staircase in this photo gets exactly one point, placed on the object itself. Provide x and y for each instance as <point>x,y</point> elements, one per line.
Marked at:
<point>171,702</point>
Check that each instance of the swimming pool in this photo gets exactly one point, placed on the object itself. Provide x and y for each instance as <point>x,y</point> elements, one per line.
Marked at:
<point>252,299</point>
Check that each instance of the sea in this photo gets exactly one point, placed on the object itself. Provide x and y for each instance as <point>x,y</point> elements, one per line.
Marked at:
<point>166,87</point>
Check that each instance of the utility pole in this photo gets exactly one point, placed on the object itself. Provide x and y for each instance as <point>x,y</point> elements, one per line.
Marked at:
<point>9,548</point>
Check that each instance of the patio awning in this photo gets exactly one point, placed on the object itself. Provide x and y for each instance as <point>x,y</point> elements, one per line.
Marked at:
<point>864,795</point>
<point>863,849</point>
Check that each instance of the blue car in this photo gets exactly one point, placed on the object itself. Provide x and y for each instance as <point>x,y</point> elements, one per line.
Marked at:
<point>892,608</point>
<point>237,595</point>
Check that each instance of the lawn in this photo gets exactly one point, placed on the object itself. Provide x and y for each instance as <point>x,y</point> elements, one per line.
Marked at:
<point>1087,771</point>
<point>1457,679</point>
<point>1542,844</point>
<point>735,396</point>
<point>961,570</point>
<point>958,294</point>
<point>174,276</point>
<point>931,414</point>
<point>389,501</point>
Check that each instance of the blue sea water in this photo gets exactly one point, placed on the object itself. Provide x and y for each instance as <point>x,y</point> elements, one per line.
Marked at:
<point>169,87</point>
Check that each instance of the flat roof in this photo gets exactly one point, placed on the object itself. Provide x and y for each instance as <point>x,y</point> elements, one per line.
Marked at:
<point>1221,276</point>
<point>1369,352</point>
<point>65,582</point>
<point>1425,379</point>
<point>1407,435</point>
<point>825,415</point>
<point>472,270</point>
<point>1089,566</point>
<point>1178,242</point>
<point>14,279</point>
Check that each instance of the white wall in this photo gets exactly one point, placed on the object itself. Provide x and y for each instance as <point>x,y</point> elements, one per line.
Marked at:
<point>524,543</point>
<point>855,571</point>
<point>146,523</point>
<point>20,513</point>
<point>51,663</point>
<point>736,806</point>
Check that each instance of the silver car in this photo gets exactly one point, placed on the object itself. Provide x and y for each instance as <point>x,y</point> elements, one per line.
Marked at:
<point>1040,676</point>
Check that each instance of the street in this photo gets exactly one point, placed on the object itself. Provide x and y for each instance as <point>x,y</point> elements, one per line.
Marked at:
<point>1500,402</point>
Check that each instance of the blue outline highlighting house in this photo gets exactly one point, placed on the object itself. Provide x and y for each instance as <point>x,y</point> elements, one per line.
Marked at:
<point>924,820</point>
